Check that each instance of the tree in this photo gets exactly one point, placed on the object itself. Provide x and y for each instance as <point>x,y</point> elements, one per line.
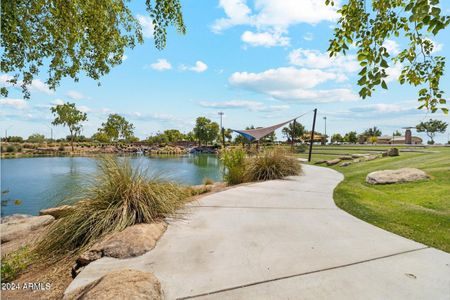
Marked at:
<point>372,134</point>
<point>351,137</point>
<point>368,25</point>
<point>228,134</point>
<point>290,131</point>
<point>117,127</point>
<point>68,115</point>
<point>397,133</point>
<point>173,135</point>
<point>205,130</point>
<point>432,127</point>
<point>337,138</point>
<point>101,137</point>
<point>65,38</point>
<point>36,138</point>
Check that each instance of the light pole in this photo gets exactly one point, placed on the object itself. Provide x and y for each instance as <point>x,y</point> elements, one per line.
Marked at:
<point>51,133</point>
<point>221,128</point>
<point>6,132</point>
<point>326,138</point>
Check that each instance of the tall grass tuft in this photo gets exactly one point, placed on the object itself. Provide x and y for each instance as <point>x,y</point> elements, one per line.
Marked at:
<point>271,164</point>
<point>233,160</point>
<point>119,196</point>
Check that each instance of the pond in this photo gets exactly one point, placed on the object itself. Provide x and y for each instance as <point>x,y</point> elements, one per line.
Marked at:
<point>42,182</point>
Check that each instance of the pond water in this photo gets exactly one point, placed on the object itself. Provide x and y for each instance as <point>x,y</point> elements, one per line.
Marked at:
<point>42,182</point>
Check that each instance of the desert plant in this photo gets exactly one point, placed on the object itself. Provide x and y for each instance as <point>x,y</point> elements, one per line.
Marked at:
<point>271,164</point>
<point>208,181</point>
<point>233,160</point>
<point>14,263</point>
<point>117,197</point>
<point>10,148</point>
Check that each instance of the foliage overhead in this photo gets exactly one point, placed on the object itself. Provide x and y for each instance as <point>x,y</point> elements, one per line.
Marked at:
<point>431,127</point>
<point>369,24</point>
<point>67,38</point>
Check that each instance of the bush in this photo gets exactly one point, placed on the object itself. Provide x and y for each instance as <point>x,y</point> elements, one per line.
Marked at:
<point>208,181</point>
<point>10,148</point>
<point>118,196</point>
<point>300,148</point>
<point>14,263</point>
<point>234,161</point>
<point>61,148</point>
<point>272,164</point>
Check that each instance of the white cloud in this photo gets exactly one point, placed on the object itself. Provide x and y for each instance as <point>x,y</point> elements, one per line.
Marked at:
<point>161,65</point>
<point>265,39</point>
<point>36,84</point>
<point>290,83</point>
<point>74,95</point>
<point>245,104</point>
<point>124,57</point>
<point>273,14</point>
<point>84,109</point>
<point>199,67</point>
<point>392,47</point>
<point>57,102</point>
<point>147,25</point>
<point>321,60</point>
<point>14,103</point>
<point>308,36</point>
<point>394,72</point>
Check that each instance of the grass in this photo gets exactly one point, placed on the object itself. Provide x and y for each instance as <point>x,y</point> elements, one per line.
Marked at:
<point>119,196</point>
<point>418,211</point>
<point>270,165</point>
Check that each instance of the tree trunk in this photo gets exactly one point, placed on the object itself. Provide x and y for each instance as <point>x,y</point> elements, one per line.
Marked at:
<point>71,140</point>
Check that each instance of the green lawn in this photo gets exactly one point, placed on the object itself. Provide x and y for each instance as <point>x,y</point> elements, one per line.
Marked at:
<point>419,211</point>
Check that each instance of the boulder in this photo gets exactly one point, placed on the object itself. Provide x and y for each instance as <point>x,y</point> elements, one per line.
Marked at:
<point>346,164</point>
<point>57,212</point>
<point>333,162</point>
<point>370,157</point>
<point>359,155</point>
<point>392,152</point>
<point>345,157</point>
<point>396,176</point>
<point>18,226</point>
<point>132,241</point>
<point>120,284</point>
<point>319,162</point>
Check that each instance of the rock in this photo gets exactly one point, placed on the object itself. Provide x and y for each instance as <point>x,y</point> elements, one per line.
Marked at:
<point>396,176</point>
<point>392,152</point>
<point>120,284</point>
<point>133,241</point>
<point>57,212</point>
<point>359,155</point>
<point>370,157</point>
<point>319,162</point>
<point>345,157</point>
<point>14,218</point>
<point>346,164</point>
<point>15,227</point>
<point>333,162</point>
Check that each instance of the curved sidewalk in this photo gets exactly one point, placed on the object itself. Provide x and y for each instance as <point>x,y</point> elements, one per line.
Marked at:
<point>284,239</point>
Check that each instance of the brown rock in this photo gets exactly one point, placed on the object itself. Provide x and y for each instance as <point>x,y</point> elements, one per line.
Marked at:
<point>319,162</point>
<point>392,152</point>
<point>19,226</point>
<point>345,157</point>
<point>333,162</point>
<point>120,284</point>
<point>396,176</point>
<point>370,157</point>
<point>346,164</point>
<point>133,241</point>
<point>57,212</point>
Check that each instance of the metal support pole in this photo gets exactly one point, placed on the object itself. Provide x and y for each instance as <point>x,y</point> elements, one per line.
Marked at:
<point>222,131</point>
<point>293,134</point>
<point>312,135</point>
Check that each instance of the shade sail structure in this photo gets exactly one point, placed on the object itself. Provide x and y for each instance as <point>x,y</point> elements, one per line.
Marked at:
<point>258,133</point>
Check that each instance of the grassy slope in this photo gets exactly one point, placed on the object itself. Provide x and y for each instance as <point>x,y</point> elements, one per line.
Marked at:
<point>419,211</point>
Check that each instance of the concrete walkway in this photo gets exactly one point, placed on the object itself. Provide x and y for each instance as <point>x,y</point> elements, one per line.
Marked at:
<point>284,239</point>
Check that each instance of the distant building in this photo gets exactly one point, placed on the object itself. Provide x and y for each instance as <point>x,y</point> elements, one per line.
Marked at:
<point>386,139</point>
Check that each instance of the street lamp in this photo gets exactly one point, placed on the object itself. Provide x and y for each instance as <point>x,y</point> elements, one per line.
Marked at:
<point>51,133</point>
<point>221,128</point>
<point>6,132</point>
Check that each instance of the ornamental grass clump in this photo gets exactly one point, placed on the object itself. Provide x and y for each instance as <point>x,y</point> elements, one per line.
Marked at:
<point>270,165</point>
<point>117,197</point>
<point>233,159</point>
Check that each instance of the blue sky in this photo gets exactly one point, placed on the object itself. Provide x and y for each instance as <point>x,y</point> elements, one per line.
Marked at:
<point>260,62</point>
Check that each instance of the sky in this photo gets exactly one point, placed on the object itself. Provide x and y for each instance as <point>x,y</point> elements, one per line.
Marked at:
<point>261,62</point>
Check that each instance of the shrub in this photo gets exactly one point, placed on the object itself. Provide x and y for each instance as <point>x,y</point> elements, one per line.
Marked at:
<point>117,197</point>
<point>14,263</point>
<point>300,148</point>
<point>271,164</point>
<point>233,160</point>
<point>208,181</point>
<point>10,148</point>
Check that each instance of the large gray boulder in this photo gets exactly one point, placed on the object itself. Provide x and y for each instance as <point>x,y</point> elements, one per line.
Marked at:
<point>333,162</point>
<point>396,176</point>
<point>57,212</point>
<point>133,241</point>
<point>120,284</point>
<point>18,226</point>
